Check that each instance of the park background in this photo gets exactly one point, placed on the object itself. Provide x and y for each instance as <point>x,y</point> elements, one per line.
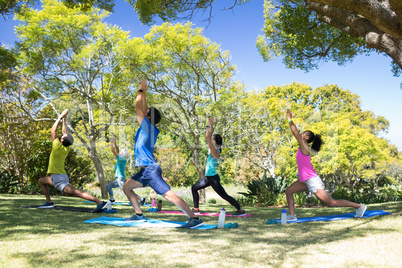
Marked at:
<point>355,107</point>
<point>360,161</point>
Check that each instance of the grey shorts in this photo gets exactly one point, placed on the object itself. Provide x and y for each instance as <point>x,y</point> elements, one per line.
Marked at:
<point>60,181</point>
<point>314,184</point>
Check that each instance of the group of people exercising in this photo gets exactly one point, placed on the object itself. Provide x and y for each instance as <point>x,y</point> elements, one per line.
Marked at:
<point>150,173</point>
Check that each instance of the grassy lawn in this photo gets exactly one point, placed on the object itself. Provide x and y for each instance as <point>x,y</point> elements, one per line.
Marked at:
<point>52,238</point>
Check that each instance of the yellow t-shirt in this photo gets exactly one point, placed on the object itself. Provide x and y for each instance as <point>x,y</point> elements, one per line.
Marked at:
<point>57,158</point>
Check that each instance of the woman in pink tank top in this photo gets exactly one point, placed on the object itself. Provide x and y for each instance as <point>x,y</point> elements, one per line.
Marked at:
<point>309,180</point>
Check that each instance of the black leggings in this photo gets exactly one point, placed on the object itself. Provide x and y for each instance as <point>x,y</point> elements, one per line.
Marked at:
<point>215,182</point>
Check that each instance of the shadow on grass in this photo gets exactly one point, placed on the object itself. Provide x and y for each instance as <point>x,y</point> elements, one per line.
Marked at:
<point>167,246</point>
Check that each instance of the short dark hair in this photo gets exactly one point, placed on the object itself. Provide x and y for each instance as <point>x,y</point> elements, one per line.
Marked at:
<point>155,115</point>
<point>218,140</point>
<point>68,140</point>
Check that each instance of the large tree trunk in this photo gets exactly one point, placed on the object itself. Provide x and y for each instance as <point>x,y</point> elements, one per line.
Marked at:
<point>201,174</point>
<point>100,175</point>
<point>378,22</point>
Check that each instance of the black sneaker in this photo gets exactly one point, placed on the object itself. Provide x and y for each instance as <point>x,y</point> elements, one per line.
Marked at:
<point>112,200</point>
<point>143,201</point>
<point>47,205</point>
<point>100,207</point>
<point>193,223</point>
<point>239,213</point>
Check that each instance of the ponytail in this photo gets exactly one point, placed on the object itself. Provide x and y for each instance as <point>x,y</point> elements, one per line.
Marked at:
<point>315,139</point>
<point>317,142</point>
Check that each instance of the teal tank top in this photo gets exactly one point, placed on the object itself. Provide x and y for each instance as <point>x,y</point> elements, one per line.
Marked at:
<point>210,169</point>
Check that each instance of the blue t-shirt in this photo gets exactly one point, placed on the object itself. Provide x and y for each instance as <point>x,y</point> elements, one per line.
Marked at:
<point>120,167</point>
<point>211,165</point>
<point>145,140</point>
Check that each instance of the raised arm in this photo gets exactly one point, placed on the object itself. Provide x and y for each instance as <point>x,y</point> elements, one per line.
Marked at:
<point>53,130</point>
<point>303,144</point>
<point>141,106</point>
<point>208,137</point>
<point>113,146</point>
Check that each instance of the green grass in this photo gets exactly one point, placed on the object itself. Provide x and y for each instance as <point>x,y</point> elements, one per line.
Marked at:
<point>52,238</point>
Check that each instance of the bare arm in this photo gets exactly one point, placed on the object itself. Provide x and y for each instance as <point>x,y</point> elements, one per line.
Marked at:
<point>303,145</point>
<point>113,146</point>
<point>53,130</point>
<point>141,106</point>
<point>208,137</point>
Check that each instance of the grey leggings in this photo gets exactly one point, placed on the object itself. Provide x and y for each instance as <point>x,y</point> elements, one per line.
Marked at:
<point>118,182</point>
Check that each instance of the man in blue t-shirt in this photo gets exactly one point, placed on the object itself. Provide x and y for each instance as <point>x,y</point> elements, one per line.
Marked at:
<point>150,172</point>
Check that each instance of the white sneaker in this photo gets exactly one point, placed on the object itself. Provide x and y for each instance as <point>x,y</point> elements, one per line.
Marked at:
<point>360,211</point>
<point>291,218</point>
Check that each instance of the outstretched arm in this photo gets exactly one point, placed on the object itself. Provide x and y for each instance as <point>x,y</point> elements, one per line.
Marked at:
<point>141,106</point>
<point>303,145</point>
<point>113,146</point>
<point>64,126</point>
<point>208,137</point>
<point>53,130</point>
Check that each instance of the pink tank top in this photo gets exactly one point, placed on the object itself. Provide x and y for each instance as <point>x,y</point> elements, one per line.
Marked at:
<point>306,170</point>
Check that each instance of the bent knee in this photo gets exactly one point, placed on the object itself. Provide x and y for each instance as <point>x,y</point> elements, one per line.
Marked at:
<point>289,191</point>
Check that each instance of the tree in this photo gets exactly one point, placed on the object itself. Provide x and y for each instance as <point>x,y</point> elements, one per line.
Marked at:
<point>169,10</point>
<point>73,61</point>
<point>353,148</point>
<point>307,32</point>
<point>10,7</point>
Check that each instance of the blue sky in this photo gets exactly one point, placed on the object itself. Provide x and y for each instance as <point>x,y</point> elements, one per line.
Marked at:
<point>236,30</point>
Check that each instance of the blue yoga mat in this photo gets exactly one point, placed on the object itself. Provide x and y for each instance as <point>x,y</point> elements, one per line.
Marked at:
<point>120,203</point>
<point>367,214</point>
<point>149,223</point>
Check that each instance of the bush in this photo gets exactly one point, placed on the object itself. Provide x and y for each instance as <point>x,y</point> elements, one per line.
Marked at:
<point>7,181</point>
<point>369,195</point>
<point>267,190</point>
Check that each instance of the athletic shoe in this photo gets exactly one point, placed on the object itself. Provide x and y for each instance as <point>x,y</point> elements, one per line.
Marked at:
<point>112,200</point>
<point>360,211</point>
<point>291,218</point>
<point>193,223</point>
<point>100,207</point>
<point>196,210</point>
<point>239,213</point>
<point>143,201</point>
<point>47,205</point>
<point>136,218</point>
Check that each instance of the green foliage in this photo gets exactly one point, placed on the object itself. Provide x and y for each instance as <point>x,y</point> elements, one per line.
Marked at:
<point>7,181</point>
<point>370,195</point>
<point>303,39</point>
<point>169,10</point>
<point>212,201</point>
<point>267,190</point>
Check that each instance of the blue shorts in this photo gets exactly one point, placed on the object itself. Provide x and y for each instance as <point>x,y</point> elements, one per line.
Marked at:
<point>152,176</point>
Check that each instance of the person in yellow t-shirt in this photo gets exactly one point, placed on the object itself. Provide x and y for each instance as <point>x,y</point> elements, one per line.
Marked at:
<point>57,174</point>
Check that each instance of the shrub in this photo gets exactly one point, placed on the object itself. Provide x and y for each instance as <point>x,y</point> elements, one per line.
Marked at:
<point>370,195</point>
<point>7,181</point>
<point>212,201</point>
<point>267,190</point>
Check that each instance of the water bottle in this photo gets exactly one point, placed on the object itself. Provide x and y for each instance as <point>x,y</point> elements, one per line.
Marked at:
<point>221,220</point>
<point>284,217</point>
<point>109,205</point>
<point>153,203</point>
<point>160,205</point>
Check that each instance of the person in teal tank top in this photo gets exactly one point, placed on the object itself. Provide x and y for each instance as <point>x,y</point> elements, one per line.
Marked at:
<point>212,178</point>
<point>120,171</point>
